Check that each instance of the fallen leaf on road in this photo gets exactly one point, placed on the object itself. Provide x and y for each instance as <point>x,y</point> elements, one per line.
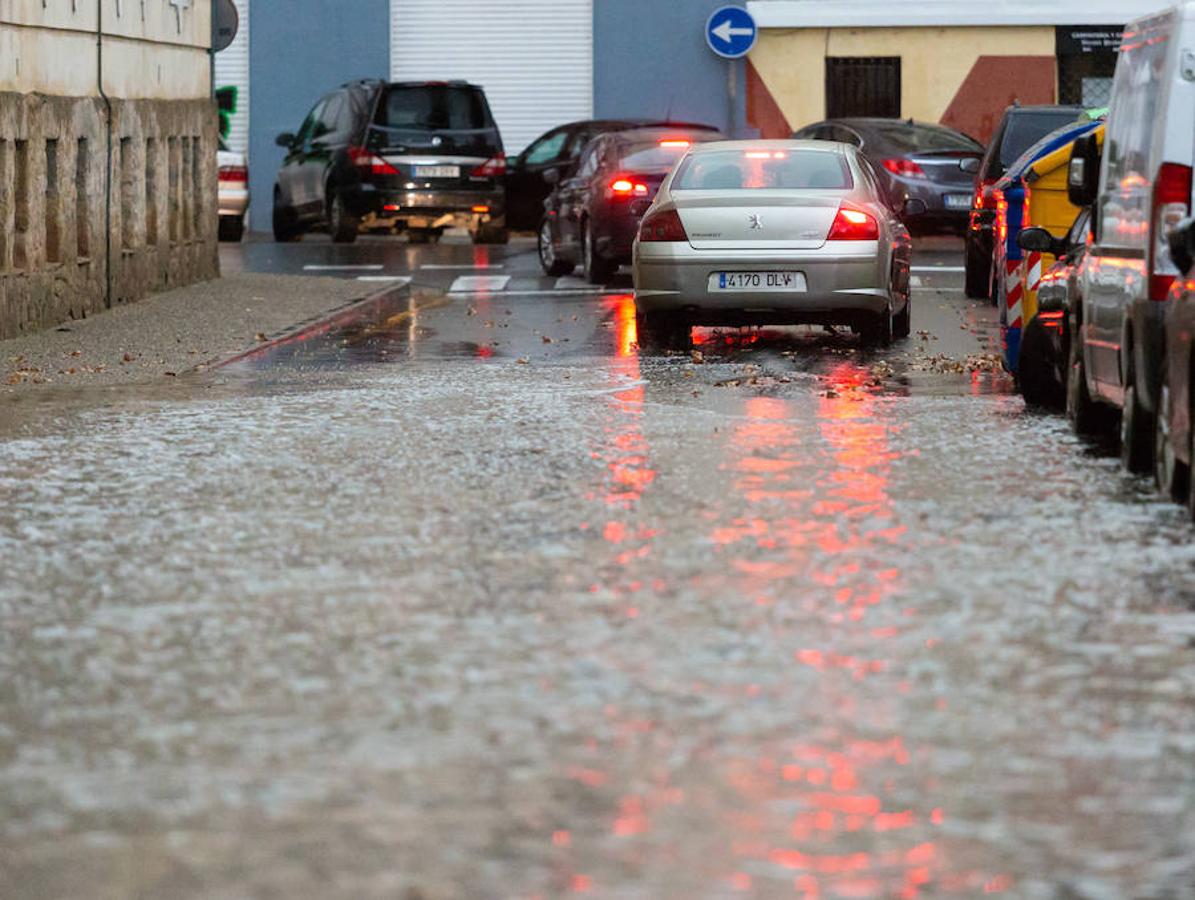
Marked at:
<point>523,361</point>
<point>260,338</point>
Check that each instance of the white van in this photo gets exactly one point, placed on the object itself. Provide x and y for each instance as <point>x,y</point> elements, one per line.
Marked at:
<point>1144,190</point>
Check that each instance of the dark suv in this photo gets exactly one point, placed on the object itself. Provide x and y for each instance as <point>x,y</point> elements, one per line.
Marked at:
<point>405,157</point>
<point>1020,129</point>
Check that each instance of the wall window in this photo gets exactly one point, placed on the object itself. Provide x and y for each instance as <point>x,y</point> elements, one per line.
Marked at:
<point>20,230</point>
<point>862,86</point>
<point>128,195</point>
<point>197,192</point>
<point>172,162</point>
<point>151,192</point>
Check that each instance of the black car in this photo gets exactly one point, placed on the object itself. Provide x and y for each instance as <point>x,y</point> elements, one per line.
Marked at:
<point>915,160</point>
<point>1019,129</point>
<point>414,157</point>
<point>592,218</point>
<point>559,150</point>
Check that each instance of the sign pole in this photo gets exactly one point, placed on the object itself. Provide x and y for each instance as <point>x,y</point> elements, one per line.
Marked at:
<point>731,33</point>
<point>732,95</point>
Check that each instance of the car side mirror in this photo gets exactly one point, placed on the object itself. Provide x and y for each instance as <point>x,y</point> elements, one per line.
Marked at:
<point>286,139</point>
<point>1182,245</point>
<point>914,206</point>
<point>1083,176</point>
<point>1038,240</point>
<point>552,176</point>
<point>970,165</point>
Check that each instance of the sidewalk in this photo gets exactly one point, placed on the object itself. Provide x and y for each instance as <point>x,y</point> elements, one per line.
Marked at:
<point>171,333</point>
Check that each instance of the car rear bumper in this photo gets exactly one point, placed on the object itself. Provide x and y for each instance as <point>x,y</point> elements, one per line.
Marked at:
<point>839,286</point>
<point>371,202</point>
<point>232,203</point>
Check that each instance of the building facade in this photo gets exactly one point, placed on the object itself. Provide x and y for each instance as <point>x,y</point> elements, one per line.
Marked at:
<point>545,62</point>
<point>107,155</point>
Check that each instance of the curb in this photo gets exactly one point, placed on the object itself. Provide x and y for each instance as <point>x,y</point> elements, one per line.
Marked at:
<point>321,324</point>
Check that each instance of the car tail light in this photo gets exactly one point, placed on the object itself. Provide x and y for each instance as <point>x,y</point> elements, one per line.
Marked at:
<point>978,202</point>
<point>1001,216</point>
<point>854,225</point>
<point>664,226</point>
<point>625,187</point>
<point>370,162</point>
<point>1171,204</point>
<point>906,168</point>
<point>234,173</point>
<point>491,168</point>
<point>676,144</point>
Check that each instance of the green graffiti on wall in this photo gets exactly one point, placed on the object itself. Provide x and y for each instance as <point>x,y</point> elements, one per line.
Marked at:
<point>226,102</point>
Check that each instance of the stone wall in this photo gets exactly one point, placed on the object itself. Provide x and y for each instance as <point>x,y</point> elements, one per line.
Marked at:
<point>87,222</point>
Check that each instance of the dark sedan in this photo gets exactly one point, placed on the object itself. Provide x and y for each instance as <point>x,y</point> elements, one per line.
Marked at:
<point>559,150</point>
<point>917,160</point>
<point>592,218</point>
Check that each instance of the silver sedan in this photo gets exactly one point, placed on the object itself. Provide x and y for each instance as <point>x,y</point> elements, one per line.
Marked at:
<point>772,232</point>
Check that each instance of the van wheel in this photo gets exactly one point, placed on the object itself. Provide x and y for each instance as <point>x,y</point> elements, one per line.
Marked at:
<point>1170,474</point>
<point>1035,375</point>
<point>342,224</point>
<point>1136,430</point>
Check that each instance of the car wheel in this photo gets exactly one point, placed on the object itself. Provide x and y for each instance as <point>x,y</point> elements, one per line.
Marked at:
<point>1170,474</point>
<point>902,324</point>
<point>551,262</point>
<point>286,229</point>
<point>597,269</point>
<point>1036,377</point>
<point>342,225</point>
<point>978,274</point>
<point>663,331</point>
<point>1087,418</point>
<point>877,331</point>
<point>1136,430</point>
<point>232,229</point>
<point>491,234</point>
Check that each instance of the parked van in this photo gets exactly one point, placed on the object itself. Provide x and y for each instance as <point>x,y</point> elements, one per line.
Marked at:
<point>1143,192</point>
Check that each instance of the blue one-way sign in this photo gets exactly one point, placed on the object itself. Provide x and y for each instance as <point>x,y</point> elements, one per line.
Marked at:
<point>731,32</point>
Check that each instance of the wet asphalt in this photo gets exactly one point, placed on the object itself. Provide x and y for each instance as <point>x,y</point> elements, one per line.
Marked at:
<point>471,597</point>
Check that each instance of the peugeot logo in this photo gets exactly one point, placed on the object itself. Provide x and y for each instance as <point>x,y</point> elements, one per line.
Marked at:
<point>755,222</point>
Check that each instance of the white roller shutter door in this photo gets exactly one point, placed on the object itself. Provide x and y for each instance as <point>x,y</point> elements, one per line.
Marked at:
<point>232,70</point>
<point>533,57</point>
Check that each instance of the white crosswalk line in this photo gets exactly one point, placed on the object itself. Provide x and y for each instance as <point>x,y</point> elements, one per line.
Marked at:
<point>436,267</point>
<point>472,284</point>
<point>937,269</point>
<point>399,280</point>
<point>571,281</point>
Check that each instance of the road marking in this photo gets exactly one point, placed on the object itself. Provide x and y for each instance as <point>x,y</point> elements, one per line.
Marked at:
<point>914,281</point>
<point>311,268</point>
<point>389,279</point>
<point>937,269</point>
<point>470,284</point>
<point>571,281</point>
<point>435,267</point>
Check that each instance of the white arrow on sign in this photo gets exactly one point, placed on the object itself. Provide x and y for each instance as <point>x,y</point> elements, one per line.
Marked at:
<point>726,31</point>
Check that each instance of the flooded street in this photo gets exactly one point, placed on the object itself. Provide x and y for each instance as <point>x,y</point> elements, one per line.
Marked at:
<point>473,598</point>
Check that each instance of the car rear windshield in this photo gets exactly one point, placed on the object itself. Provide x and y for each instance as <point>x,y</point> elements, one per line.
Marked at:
<point>434,108</point>
<point>657,156</point>
<point>1026,129</point>
<point>918,138</point>
<point>764,170</point>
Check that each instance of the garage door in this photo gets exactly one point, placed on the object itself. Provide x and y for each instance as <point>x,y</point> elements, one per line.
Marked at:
<point>533,57</point>
<point>232,84</point>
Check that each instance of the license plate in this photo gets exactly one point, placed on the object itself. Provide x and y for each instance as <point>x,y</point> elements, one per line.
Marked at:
<point>757,282</point>
<point>958,201</point>
<point>437,171</point>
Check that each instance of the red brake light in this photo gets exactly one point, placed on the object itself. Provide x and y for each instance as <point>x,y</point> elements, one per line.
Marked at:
<point>1171,204</point>
<point>677,144</point>
<point>491,168</point>
<point>904,167</point>
<point>1001,216</point>
<point>625,187</point>
<point>368,161</point>
<point>234,173</point>
<point>663,226</point>
<point>854,225</point>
